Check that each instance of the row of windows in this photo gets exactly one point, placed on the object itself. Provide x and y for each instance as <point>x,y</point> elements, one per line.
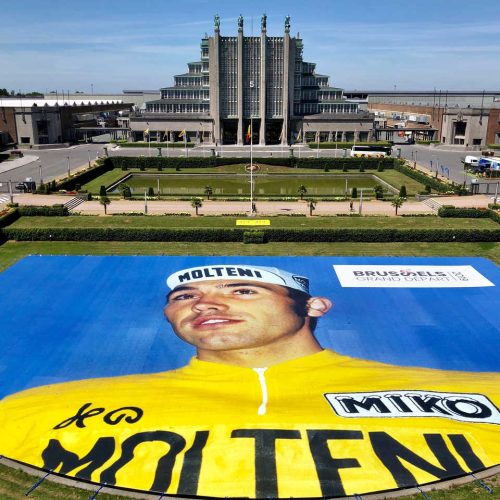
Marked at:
<point>229,76</point>
<point>178,108</point>
<point>185,94</point>
<point>274,77</point>
<point>251,76</point>
<point>311,108</point>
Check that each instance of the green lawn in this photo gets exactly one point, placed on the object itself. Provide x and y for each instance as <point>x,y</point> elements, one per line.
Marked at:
<point>200,178</point>
<point>158,221</point>
<point>12,251</point>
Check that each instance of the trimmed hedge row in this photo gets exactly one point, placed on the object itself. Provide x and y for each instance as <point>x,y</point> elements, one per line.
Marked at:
<point>46,211</point>
<point>154,145</point>
<point>237,235</point>
<point>85,176</point>
<point>9,217</point>
<point>126,162</point>
<point>345,145</point>
<point>433,183</point>
<point>471,213</point>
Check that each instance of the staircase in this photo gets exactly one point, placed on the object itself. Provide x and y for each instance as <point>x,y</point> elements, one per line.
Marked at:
<point>432,203</point>
<point>74,202</point>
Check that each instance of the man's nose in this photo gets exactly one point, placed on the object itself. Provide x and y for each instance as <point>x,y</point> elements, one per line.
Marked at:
<point>209,302</point>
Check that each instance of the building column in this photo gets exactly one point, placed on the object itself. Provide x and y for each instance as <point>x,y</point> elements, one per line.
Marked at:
<point>286,84</point>
<point>343,137</point>
<point>330,137</point>
<point>213,57</point>
<point>263,82</point>
<point>241,93</point>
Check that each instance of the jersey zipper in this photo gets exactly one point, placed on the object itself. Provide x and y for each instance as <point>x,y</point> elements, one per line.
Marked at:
<point>263,388</point>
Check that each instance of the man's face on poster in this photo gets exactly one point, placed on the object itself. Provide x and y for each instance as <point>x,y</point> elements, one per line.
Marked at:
<point>223,315</point>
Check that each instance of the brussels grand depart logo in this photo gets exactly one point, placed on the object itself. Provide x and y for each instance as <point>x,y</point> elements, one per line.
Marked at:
<point>401,276</point>
<point>473,408</point>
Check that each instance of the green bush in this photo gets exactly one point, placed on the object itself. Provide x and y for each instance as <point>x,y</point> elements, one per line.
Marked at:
<point>237,234</point>
<point>46,211</point>
<point>257,237</point>
<point>84,176</point>
<point>142,144</point>
<point>467,213</point>
<point>433,183</point>
<point>102,191</point>
<point>345,145</point>
<point>9,217</point>
<point>402,192</point>
<point>354,192</point>
<point>151,191</point>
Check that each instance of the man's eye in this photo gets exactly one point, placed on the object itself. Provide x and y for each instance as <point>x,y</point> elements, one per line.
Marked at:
<point>183,296</point>
<point>245,291</point>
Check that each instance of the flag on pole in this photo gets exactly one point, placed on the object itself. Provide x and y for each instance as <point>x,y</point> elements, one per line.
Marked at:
<point>282,133</point>
<point>182,133</point>
<point>248,135</point>
<point>146,132</point>
<point>299,136</point>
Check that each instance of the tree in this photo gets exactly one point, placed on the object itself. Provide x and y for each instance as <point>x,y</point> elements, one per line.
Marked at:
<point>4,92</point>
<point>102,191</point>
<point>126,191</point>
<point>402,191</point>
<point>151,191</point>
<point>104,201</point>
<point>196,203</point>
<point>302,190</point>
<point>379,192</point>
<point>397,203</point>
<point>208,191</point>
<point>354,192</point>
<point>312,206</point>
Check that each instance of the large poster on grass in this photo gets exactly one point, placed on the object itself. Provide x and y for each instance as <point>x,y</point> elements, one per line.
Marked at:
<point>259,377</point>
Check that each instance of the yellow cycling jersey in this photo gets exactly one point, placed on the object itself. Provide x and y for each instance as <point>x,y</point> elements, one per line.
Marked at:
<point>320,425</point>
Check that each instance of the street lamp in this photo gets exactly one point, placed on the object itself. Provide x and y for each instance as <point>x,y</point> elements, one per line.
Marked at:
<point>40,172</point>
<point>88,151</point>
<point>69,167</point>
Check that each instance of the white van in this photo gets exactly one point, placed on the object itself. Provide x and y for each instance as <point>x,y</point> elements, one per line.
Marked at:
<point>471,161</point>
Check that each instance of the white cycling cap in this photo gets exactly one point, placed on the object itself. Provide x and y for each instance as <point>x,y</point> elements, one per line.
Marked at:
<point>259,274</point>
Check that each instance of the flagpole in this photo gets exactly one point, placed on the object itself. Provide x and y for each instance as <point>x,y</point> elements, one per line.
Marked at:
<point>149,145</point>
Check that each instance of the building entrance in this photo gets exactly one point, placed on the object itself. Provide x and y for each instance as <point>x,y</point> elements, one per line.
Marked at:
<point>273,131</point>
<point>229,132</point>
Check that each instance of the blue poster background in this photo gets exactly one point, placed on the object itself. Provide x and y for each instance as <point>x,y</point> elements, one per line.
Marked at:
<point>70,318</point>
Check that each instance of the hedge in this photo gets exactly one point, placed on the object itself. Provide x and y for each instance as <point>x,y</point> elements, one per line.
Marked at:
<point>237,234</point>
<point>154,145</point>
<point>9,217</point>
<point>345,145</point>
<point>47,211</point>
<point>469,213</point>
<point>432,182</point>
<point>127,162</point>
<point>85,176</point>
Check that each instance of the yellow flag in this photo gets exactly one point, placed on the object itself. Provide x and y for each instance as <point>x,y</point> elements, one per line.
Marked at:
<point>183,133</point>
<point>146,132</point>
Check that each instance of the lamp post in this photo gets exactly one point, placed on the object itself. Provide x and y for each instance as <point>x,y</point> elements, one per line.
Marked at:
<point>145,202</point>
<point>361,202</point>
<point>40,172</point>
<point>88,151</point>
<point>69,166</point>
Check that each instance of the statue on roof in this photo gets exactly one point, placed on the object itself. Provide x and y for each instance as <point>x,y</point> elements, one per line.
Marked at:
<point>263,22</point>
<point>287,23</point>
<point>216,21</point>
<point>240,21</point>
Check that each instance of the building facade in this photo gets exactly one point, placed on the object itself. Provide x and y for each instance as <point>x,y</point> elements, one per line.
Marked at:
<point>260,83</point>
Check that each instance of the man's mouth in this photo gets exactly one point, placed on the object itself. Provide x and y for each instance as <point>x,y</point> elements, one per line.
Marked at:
<point>209,321</point>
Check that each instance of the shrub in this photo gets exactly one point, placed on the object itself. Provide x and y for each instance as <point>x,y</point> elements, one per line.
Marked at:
<point>379,192</point>
<point>402,191</point>
<point>46,211</point>
<point>433,183</point>
<point>102,191</point>
<point>9,217</point>
<point>151,191</point>
<point>254,237</point>
<point>354,192</point>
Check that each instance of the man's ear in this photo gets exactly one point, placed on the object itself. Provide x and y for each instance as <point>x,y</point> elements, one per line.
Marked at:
<point>318,306</point>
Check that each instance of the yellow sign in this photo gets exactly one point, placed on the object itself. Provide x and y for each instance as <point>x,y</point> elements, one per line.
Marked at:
<point>253,222</point>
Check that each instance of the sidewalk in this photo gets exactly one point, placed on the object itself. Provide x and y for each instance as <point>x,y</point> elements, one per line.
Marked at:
<point>7,165</point>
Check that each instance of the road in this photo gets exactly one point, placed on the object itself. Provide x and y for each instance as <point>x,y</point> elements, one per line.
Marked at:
<point>54,163</point>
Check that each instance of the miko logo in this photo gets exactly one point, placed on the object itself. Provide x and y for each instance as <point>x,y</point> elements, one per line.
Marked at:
<point>474,408</point>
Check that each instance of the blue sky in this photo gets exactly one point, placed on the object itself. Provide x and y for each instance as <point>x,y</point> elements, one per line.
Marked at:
<point>123,44</point>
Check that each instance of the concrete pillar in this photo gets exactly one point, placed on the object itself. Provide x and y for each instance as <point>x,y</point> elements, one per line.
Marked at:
<point>330,136</point>
<point>286,85</point>
<point>343,137</point>
<point>263,80</point>
<point>241,92</point>
<point>213,55</point>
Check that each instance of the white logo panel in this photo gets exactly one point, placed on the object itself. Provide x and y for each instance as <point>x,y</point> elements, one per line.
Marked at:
<point>402,276</point>
<point>475,408</point>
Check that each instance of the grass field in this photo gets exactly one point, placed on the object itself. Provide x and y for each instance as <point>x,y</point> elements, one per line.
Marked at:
<point>139,221</point>
<point>12,251</point>
<point>395,179</point>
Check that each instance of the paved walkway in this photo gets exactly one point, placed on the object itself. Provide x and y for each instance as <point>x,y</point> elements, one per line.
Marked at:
<point>7,165</point>
<point>212,207</point>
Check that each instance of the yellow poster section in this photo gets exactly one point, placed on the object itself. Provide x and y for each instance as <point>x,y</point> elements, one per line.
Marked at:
<point>210,429</point>
<point>253,222</point>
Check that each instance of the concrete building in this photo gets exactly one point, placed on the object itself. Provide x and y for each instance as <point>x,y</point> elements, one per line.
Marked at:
<point>461,118</point>
<point>41,122</point>
<point>259,80</point>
